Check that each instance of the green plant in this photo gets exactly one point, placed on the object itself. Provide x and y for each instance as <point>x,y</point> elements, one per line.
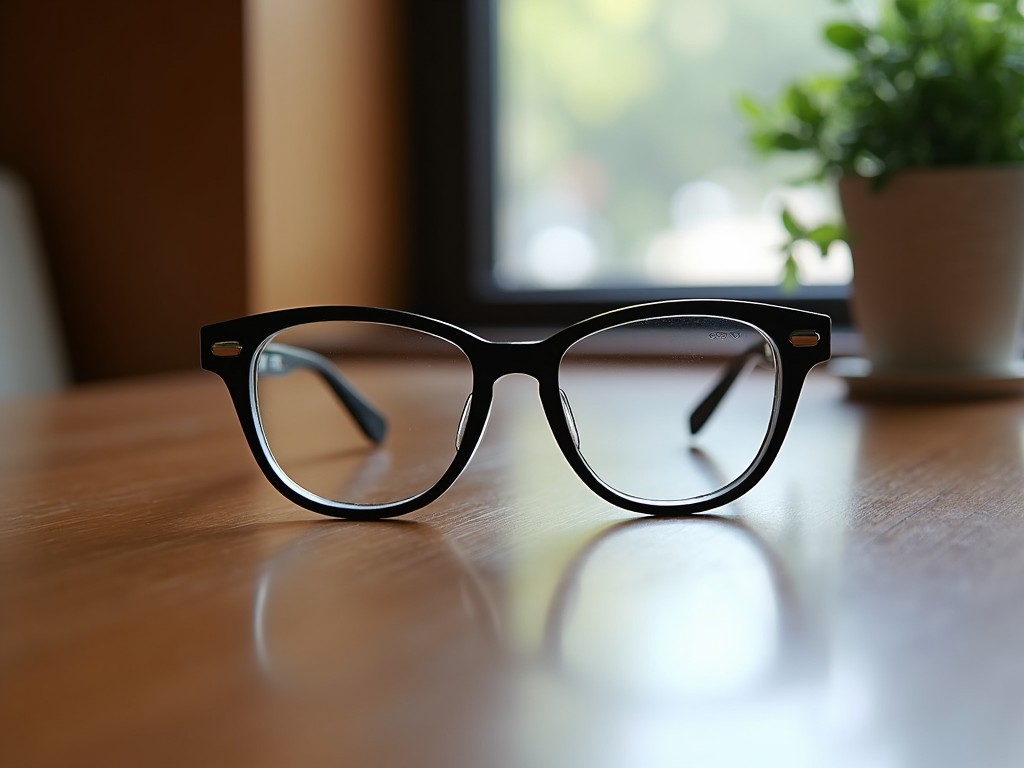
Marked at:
<point>930,83</point>
<point>821,237</point>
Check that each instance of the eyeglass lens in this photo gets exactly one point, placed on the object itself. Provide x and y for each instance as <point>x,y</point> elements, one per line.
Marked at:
<point>410,421</point>
<point>631,390</point>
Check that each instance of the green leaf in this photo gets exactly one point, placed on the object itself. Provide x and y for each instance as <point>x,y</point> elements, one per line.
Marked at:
<point>825,235</point>
<point>790,274</point>
<point>751,108</point>
<point>800,104</point>
<point>848,37</point>
<point>791,225</point>
<point>788,142</point>
<point>908,9</point>
<point>763,143</point>
<point>986,59</point>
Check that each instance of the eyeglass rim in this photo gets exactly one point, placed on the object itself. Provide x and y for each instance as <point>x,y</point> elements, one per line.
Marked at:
<point>491,360</point>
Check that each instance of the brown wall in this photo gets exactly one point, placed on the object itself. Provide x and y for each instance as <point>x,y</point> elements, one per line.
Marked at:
<point>130,123</point>
<point>126,121</point>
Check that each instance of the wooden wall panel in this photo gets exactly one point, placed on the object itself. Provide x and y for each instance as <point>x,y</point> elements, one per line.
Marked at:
<point>324,159</point>
<point>127,121</point>
<point>192,161</point>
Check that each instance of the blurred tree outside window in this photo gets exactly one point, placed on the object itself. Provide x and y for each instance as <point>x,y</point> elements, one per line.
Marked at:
<point>622,156</point>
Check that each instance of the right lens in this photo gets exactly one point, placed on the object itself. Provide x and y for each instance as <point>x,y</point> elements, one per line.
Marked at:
<point>628,393</point>
<point>362,413</point>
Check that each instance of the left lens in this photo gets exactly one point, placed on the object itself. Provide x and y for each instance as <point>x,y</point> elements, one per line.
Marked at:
<point>361,413</point>
<point>629,391</point>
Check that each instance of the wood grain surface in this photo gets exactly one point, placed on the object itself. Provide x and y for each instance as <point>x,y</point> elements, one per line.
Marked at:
<point>160,604</point>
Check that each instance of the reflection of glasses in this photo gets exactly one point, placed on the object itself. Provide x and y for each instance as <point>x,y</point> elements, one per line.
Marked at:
<point>640,637</point>
<point>717,615</point>
<point>343,422</point>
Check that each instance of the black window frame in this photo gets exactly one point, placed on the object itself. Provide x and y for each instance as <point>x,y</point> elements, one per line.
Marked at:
<point>450,54</point>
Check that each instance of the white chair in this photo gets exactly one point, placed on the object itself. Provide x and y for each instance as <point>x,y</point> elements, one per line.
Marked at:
<point>32,357</point>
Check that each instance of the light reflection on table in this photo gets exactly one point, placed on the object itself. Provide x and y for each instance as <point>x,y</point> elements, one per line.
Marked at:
<point>705,619</point>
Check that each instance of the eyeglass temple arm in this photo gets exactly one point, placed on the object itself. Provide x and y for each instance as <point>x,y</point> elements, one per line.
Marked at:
<point>711,401</point>
<point>282,359</point>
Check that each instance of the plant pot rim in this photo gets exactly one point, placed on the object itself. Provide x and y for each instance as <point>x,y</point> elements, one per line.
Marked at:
<point>942,170</point>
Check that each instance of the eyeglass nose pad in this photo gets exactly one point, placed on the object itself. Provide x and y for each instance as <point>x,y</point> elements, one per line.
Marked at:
<point>462,423</point>
<point>570,419</point>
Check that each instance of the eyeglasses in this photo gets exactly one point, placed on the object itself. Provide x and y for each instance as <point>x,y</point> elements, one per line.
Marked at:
<point>368,413</point>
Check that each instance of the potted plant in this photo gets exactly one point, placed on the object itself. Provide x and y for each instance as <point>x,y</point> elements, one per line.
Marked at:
<point>924,133</point>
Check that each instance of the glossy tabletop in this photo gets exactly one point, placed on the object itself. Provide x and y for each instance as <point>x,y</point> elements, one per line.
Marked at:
<point>160,604</point>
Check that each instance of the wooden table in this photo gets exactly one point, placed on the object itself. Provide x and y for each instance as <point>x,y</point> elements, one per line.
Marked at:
<point>160,604</point>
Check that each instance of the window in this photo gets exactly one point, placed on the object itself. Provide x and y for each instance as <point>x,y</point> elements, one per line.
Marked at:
<point>583,154</point>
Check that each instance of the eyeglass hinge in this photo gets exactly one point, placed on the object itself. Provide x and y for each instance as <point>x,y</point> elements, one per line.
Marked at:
<point>226,349</point>
<point>804,338</point>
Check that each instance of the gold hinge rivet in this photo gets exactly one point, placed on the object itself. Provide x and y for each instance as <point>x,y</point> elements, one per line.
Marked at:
<point>226,349</point>
<point>804,338</point>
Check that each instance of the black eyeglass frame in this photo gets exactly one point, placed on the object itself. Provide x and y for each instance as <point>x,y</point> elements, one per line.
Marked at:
<point>799,340</point>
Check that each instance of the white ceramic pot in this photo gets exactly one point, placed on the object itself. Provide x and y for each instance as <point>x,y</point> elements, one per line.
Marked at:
<point>938,258</point>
